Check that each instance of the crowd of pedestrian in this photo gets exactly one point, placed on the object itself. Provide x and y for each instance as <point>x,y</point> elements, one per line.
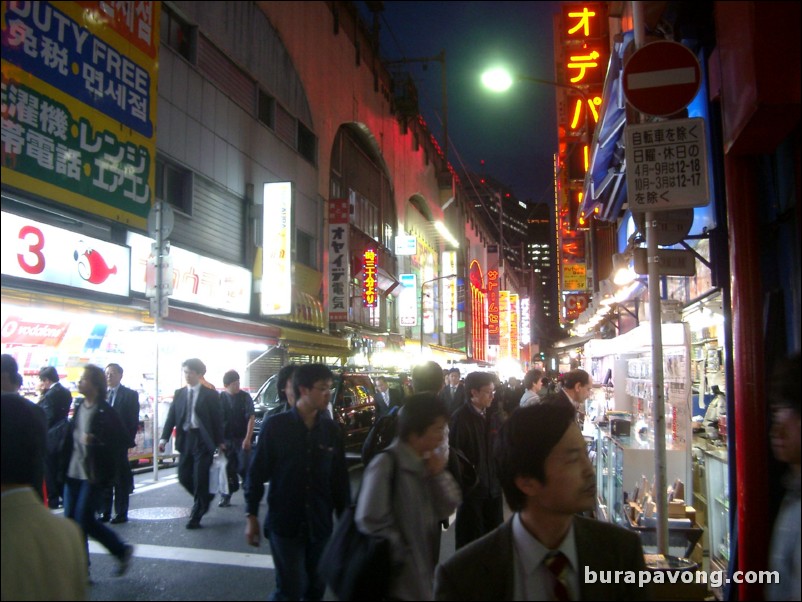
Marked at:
<point>465,445</point>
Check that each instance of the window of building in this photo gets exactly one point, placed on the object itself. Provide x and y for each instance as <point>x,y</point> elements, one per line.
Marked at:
<point>267,109</point>
<point>177,33</point>
<point>174,185</point>
<point>307,144</point>
<point>306,249</point>
<point>364,215</point>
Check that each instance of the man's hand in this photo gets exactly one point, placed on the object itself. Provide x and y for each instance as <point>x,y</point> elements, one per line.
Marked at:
<point>246,444</point>
<point>162,445</point>
<point>252,530</point>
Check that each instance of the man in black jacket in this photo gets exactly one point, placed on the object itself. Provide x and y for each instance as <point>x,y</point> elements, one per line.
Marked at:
<point>125,402</point>
<point>198,419</point>
<point>55,401</point>
<point>239,420</point>
<point>472,431</point>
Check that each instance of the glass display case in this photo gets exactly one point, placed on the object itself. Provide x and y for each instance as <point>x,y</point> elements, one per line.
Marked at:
<point>621,464</point>
<point>718,507</point>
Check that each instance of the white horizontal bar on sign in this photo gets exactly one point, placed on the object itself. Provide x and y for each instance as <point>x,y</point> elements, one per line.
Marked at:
<point>664,77</point>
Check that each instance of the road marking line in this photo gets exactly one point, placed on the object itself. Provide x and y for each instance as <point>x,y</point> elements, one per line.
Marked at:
<point>151,486</point>
<point>255,561</point>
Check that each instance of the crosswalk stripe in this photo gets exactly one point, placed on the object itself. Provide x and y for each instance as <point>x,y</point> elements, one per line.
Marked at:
<point>256,561</point>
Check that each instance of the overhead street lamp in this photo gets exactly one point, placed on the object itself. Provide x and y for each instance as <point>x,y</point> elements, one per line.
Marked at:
<point>499,79</point>
<point>422,287</point>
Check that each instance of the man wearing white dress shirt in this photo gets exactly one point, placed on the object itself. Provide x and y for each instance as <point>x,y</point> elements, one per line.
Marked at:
<point>197,416</point>
<point>546,549</point>
<point>125,402</point>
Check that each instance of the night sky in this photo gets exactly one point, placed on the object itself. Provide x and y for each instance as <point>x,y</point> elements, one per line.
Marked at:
<point>515,133</point>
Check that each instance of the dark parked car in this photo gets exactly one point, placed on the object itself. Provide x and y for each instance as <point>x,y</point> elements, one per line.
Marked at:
<point>352,407</point>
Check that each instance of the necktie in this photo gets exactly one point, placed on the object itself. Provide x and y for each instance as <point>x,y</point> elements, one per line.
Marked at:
<point>111,397</point>
<point>190,408</point>
<point>557,562</point>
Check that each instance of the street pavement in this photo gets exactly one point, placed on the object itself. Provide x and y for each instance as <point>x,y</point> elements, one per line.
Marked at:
<point>173,563</point>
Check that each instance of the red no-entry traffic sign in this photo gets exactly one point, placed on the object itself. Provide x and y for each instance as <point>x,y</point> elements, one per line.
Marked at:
<point>661,78</point>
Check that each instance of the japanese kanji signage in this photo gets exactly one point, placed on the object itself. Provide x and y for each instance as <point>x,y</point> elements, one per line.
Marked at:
<point>339,266</point>
<point>514,324</point>
<point>79,103</point>
<point>195,278</point>
<point>504,324</point>
<point>582,54</point>
<point>493,332</point>
<point>574,277</point>
<point>369,278</point>
<point>667,165</point>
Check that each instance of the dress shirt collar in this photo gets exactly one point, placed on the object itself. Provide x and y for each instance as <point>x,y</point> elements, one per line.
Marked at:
<point>532,552</point>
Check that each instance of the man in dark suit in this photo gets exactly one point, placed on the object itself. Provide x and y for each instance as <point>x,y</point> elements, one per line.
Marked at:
<point>55,401</point>
<point>576,387</point>
<point>547,479</point>
<point>454,391</point>
<point>197,417</point>
<point>386,398</point>
<point>125,401</point>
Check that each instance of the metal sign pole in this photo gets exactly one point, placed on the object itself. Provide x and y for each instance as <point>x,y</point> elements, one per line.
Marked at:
<point>656,325</point>
<point>156,328</point>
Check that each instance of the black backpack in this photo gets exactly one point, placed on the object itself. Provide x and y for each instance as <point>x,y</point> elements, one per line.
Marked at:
<point>380,436</point>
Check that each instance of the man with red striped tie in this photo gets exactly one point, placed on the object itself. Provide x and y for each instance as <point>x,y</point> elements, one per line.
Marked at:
<point>546,551</point>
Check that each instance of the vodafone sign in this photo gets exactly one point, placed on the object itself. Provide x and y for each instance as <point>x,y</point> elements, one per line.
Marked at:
<point>17,331</point>
<point>661,78</point>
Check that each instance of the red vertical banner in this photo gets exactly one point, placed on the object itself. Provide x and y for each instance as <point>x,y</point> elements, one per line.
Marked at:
<point>339,265</point>
<point>493,304</point>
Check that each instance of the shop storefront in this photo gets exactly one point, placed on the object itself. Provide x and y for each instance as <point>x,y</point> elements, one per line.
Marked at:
<point>70,299</point>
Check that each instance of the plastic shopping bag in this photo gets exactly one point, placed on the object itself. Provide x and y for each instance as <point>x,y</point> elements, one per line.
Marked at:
<point>218,477</point>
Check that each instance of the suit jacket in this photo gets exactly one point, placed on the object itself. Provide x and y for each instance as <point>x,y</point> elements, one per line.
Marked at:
<point>56,403</point>
<point>210,418</point>
<point>484,569</point>
<point>453,401</point>
<point>126,403</point>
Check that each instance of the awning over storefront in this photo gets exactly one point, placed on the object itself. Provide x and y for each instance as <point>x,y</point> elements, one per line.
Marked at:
<point>306,311</point>
<point>263,333</point>
<point>572,342</point>
<point>303,342</point>
<point>605,183</point>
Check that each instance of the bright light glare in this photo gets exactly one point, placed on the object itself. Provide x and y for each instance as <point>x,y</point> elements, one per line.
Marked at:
<point>441,228</point>
<point>497,79</point>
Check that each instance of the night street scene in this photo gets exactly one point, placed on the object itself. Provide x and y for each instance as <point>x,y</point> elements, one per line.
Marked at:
<point>401,300</point>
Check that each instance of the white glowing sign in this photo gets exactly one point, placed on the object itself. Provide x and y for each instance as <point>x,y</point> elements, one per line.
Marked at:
<point>525,332</point>
<point>448,266</point>
<point>408,300</point>
<point>277,249</point>
<point>43,253</point>
<point>196,278</point>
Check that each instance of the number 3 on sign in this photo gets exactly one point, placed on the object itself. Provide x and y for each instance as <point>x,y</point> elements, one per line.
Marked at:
<point>33,261</point>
